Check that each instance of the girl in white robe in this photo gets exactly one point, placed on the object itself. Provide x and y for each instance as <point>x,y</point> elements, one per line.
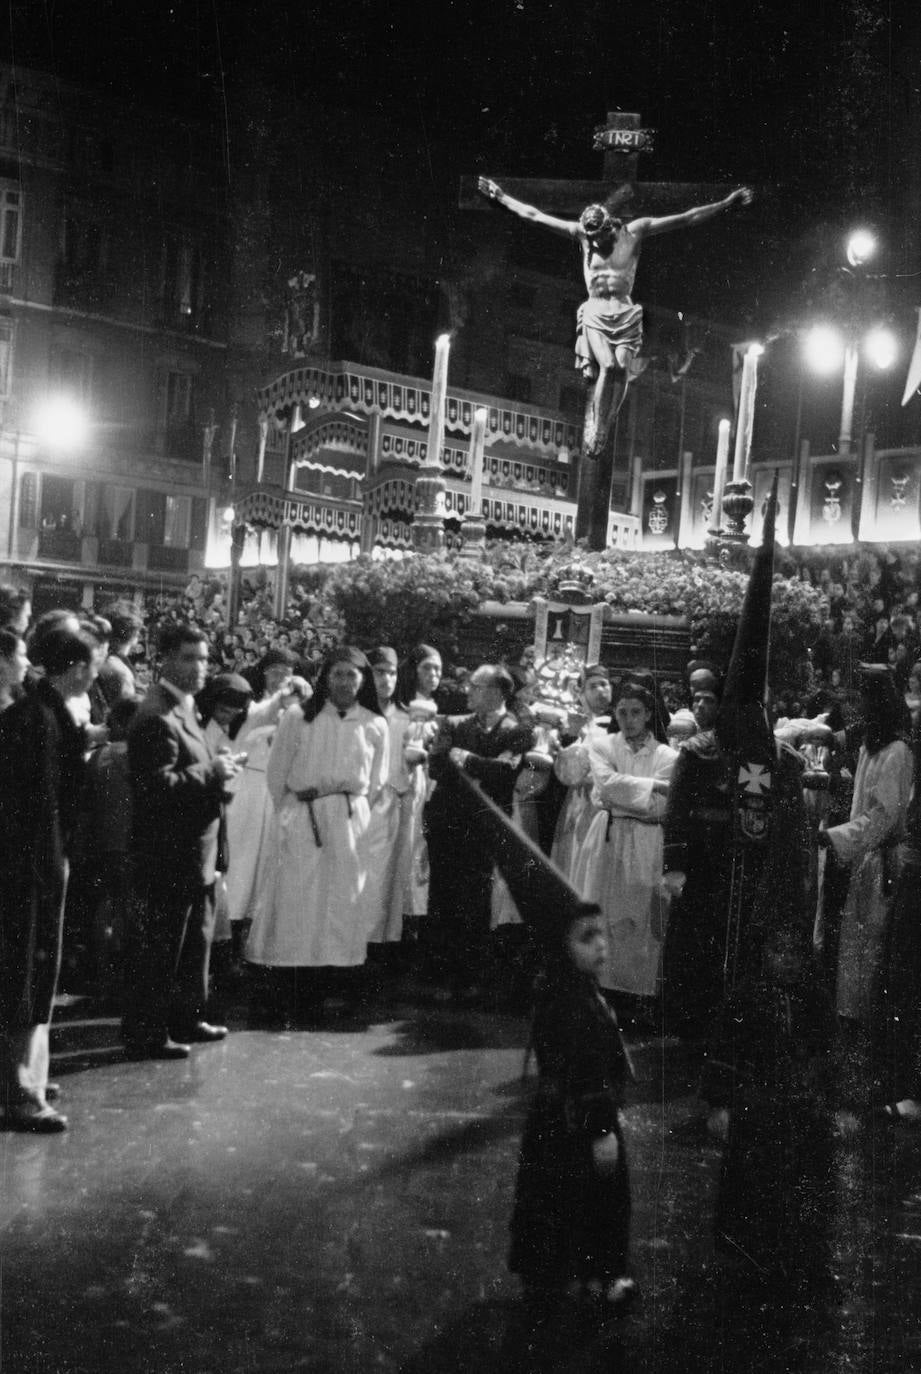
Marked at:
<point>417,682</point>
<point>868,842</point>
<point>328,763</point>
<point>390,829</point>
<point>620,864</point>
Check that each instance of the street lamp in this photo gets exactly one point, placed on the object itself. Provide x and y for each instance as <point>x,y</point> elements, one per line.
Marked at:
<point>60,423</point>
<point>861,247</point>
<point>826,348</point>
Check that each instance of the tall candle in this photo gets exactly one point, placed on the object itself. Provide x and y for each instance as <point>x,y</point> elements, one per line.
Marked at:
<point>439,401</point>
<point>746,417</point>
<point>477,460</point>
<point>719,477</point>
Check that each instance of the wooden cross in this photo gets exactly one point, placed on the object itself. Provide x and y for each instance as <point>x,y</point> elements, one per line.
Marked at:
<point>622,139</point>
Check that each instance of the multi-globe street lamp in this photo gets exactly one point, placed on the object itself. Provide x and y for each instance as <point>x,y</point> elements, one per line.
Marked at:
<point>828,347</point>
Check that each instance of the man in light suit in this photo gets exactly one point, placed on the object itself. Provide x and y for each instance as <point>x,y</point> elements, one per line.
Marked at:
<point>178,789</point>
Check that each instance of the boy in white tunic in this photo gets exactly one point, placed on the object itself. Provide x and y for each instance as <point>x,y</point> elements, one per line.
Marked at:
<point>620,864</point>
<point>572,768</point>
<point>329,760</point>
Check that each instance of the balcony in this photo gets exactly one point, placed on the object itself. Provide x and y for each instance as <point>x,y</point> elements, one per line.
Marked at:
<point>60,546</point>
<point>114,553</point>
<point>165,558</point>
<point>364,390</point>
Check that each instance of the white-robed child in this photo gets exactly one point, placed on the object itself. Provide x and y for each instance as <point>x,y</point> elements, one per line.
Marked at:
<point>390,829</point>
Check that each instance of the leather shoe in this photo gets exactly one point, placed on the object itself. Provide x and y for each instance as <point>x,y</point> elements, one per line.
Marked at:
<point>168,1049</point>
<point>29,1116</point>
<point>204,1033</point>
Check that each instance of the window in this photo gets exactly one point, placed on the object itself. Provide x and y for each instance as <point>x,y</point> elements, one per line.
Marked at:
<point>517,387</point>
<point>6,355</point>
<point>10,223</point>
<point>116,511</point>
<point>70,371</point>
<point>85,245</point>
<point>59,500</point>
<point>28,501</point>
<point>151,516</point>
<point>178,398</point>
<point>178,521</point>
<point>181,280</point>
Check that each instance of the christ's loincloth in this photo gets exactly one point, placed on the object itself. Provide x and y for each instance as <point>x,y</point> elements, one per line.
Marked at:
<point>618,323</point>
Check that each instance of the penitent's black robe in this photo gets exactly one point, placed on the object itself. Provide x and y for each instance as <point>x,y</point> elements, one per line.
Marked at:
<point>569,1222</point>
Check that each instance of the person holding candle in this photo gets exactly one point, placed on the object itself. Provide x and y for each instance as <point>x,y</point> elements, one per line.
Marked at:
<point>572,768</point>
<point>418,679</point>
<point>389,828</point>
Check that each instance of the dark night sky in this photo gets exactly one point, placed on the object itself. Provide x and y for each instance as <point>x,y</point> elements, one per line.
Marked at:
<point>807,101</point>
<point>519,82</point>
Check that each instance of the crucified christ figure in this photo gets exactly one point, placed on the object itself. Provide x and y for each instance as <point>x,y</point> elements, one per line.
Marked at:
<point>609,324</point>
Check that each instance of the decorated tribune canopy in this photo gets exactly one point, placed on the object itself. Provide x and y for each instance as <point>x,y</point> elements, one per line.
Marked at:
<point>344,386</point>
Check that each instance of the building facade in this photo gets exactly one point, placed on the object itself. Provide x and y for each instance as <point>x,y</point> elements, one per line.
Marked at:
<point>113,338</point>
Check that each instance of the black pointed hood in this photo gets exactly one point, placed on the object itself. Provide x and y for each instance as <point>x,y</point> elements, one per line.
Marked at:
<point>742,723</point>
<point>546,900</point>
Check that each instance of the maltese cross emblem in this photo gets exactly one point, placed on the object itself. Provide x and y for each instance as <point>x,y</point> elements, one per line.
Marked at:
<point>755,778</point>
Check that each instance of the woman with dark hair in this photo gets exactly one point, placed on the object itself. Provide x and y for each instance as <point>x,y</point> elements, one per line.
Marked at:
<point>869,843</point>
<point>328,762</point>
<point>620,863</point>
<point>14,664</point>
<point>116,676</point>
<point>15,609</point>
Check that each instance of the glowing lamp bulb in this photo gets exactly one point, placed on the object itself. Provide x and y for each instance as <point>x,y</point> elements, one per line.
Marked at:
<point>61,423</point>
<point>824,349</point>
<point>880,348</point>
<point>861,246</point>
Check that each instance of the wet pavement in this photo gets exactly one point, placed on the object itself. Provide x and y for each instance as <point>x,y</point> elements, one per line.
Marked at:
<point>337,1198</point>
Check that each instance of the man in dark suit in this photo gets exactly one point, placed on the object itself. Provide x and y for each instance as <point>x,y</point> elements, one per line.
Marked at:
<point>41,775</point>
<point>178,790</point>
<point>488,745</point>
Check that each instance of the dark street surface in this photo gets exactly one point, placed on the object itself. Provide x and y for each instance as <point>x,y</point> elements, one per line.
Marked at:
<point>336,1199</point>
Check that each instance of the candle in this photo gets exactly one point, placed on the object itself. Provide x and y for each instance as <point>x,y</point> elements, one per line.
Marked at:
<point>719,477</point>
<point>746,417</point>
<point>477,460</point>
<point>439,402</point>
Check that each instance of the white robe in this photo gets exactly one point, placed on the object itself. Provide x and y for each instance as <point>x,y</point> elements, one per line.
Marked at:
<point>417,896</point>
<point>318,916</point>
<point>251,816</point>
<point>882,788</point>
<point>573,769</point>
<point>390,839</point>
<point>619,866</point>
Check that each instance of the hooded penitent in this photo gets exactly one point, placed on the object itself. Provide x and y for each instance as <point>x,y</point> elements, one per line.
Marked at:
<point>546,900</point>
<point>768,832</point>
<point>742,727</point>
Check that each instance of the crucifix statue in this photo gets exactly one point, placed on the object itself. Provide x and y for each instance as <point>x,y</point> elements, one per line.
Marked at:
<point>609,330</point>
